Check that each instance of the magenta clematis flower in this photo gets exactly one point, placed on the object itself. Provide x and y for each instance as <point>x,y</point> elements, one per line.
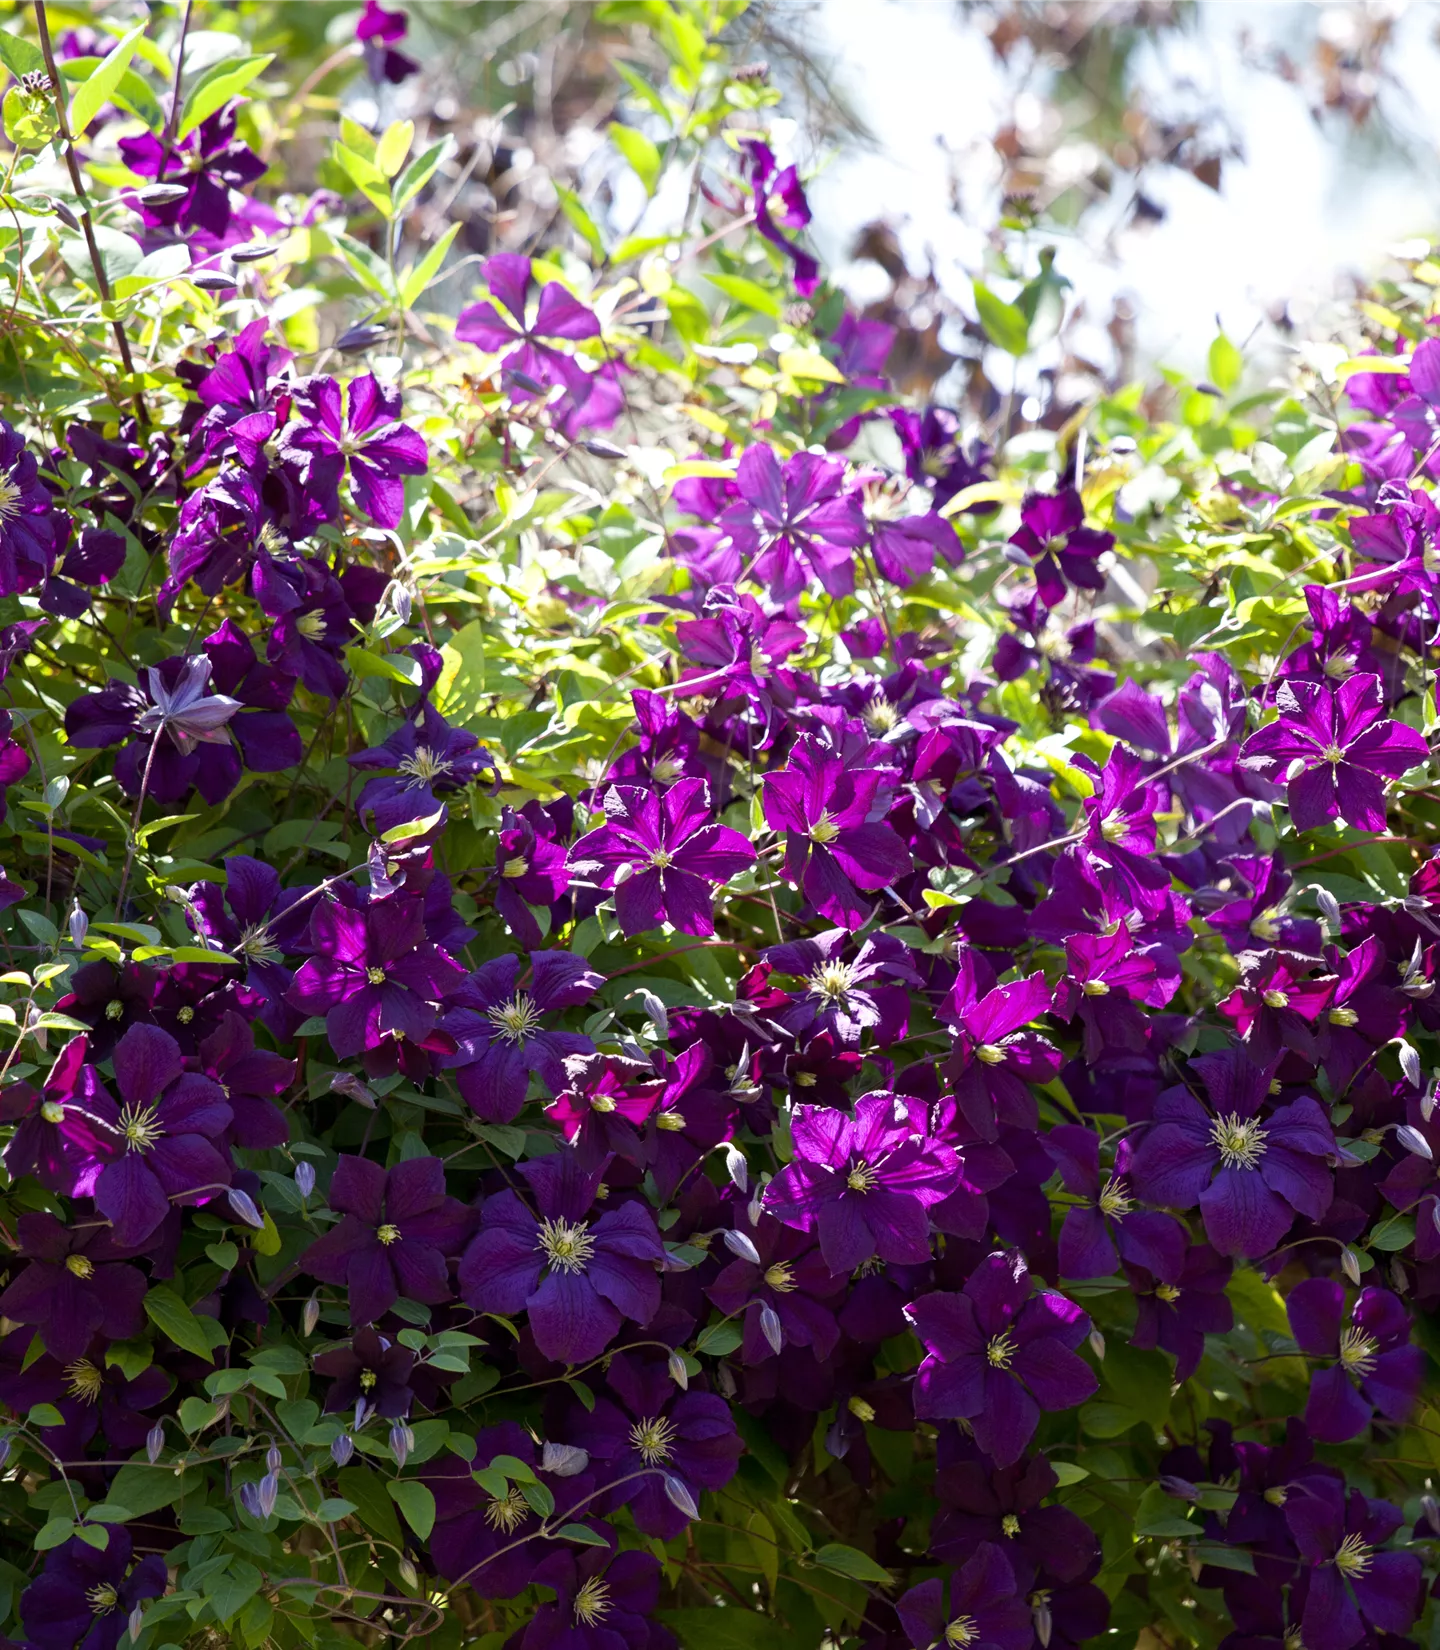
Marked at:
<point>596,1274</point>
<point>795,522</point>
<point>780,201</point>
<point>530,868</point>
<point>374,974</point>
<point>864,1186</point>
<point>1105,981</point>
<point>1250,1174</point>
<point>662,855</point>
<point>1276,1005</point>
<point>67,1129</point>
<point>168,1127</point>
<point>834,848</point>
<point>1332,748</point>
<point>365,435</point>
<point>207,164</point>
<point>395,1232</point>
<point>377,31</point>
<point>984,1609</point>
<point>525,338</point>
<point>500,1031</point>
<point>1375,1365</point>
<point>1351,1584</point>
<point>1053,534</point>
<point>995,1061</point>
<point>998,1354</point>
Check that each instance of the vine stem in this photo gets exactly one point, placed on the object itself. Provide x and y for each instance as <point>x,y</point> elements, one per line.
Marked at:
<point>135,823</point>
<point>87,227</point>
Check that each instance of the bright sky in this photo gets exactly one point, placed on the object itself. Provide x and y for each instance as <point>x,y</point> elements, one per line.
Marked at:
<point>1292,219</point>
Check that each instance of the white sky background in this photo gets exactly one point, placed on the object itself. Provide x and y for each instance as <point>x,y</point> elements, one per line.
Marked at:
<point>1302,211</point>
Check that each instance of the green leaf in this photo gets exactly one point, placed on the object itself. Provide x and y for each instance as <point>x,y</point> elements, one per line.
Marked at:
<point>174,1319</point>
<point>414,281</point>
<point>1005,324</point>
<point>44,1415</point>
<point>1225,363</point>
<point>850,1561</point>
<point>377,1512</point>
<point>19,55</point>
<point>216,87</point>
<point>720,1339</point>
<point>232,1589</point>
<point>1162,1515</point>
<point>747,292</point>
<point>727,1628</point>
<point>417,1503</point>
<point>419,172</point>
<point>95,92</point>
<point>334,1508</point>
<point>642,154</point>
<point>581,1533</point>
<point>145,1489</point>
<point>1068,1472</point>
<point>571,206</point>
<point>53,1533</point>
<point>394,145</point>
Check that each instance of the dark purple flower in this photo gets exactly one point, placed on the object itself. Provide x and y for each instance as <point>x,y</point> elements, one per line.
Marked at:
<point>431,760</point>
<point>603,1600</point>
<point>67,1130</point>
<point>242,396</point>
<point>371,1374</point>
<point>662,855</point>
<point>834,844</point>
<point>1332,748</point>
<point>983,1611</point>
<point>207,164</point>
<point>935,456</point>
<point>1177,1316</point>
<point>377,32</point>
<point>1351,1584</point>
<point>864,1186</point>
<point>374,975</point>
<point>252,1080</point>
<point>1375,1365</point>
<point>526,339</point>
<point>1250,1174</point>
<point>500,1032</point>
<point>74,1287</point>
<point>1108,1220</point>
<point>846,999</point>
<point>669,747</point>
<point>1105,981</point>
<point>655,1432</point>
<point>397,1228</point>
<point>795,522</point>
<point>313,621</point>
<point>218,534</point>
<point>83,1597</point>
<point>168,1126</point>
<point>1254,914</point>
<point>604,1100</point>
<point>530,868</point>
<point>780,200</point>
<point>998,1355</point>
<point>578,1280</point>
<point>1053,534</point>
<point>995,1061</point>
<point>31,531</point>
<point>1276,1005</point>
<point>366,435</point>
<point>791,1282</point>
<point>109,999</point>
<point>254,919</point>
<point>1003,1505</point>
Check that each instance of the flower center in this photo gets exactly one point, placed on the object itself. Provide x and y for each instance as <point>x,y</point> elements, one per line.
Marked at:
<point>824,829</point>
<point>102,1599</point>
<point>1265,927</point>
<point>860,1409</point>
<point>376,976</point>
<point>141,1127</point>
<point>1358,1352</point>
<point>592,1602</point>
<point>425,766</point>
<point>516,1020</point>
<point>1352,1557</point>
<point>1010,1525</point>
<point>1277,1495</point>
<point>387,1234</point>
<point>311,625</point>
<point>567,1247</point>
<point>79,1267</point>
<point>1333,755</point>
<point>53,1112</point>
<point>255,943</point>
<point>990,1054</point>
<point>9,499</point>
<point>1115,828</point>
<point>1167,1292</point>
<point>671,1121</point>
<point>1001,1350</point>
<point>1275,999</point>
<point>880,715</point>
<point>1239,1140</point>
<point>962,1631</point>
<point>832,981</point>
<point>507,1512</point>
<point>666,770</point>
<point>1115,1199</point>
<point>114,1009</point>
<point>861,1178</point>
<point>653,1439</point>
<point>185,1014</point>
<point>1095,988</point>
<point>805,1079</point>
<point>513,868</point>
<point>368,1380</point>
<point>1343,1017</point>
<point>779,1278</point>
<point>83,1380</point>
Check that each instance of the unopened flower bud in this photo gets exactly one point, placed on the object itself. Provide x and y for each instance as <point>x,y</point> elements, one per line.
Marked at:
<point>348,1084</point>
<point>272,1459</point>
<point>1329,908</point>
<point>679,1496</point>
<point>738,1244</point>
<point>310,1316</point>
<point>305,1178</point>
<point>564,1460</point>
<point>1097,1344</point>
<point>1350,1263</point>
<point>1410,1063</point>
<point>408,1573</point>
<point>342,1449</point>
<point>243,1207</point>
<point>678,1372</point>
<point>771,1327</point>
<point>134,1622</point>
<point>1413,1141</point>
<point>155,1442</point>
<point>79,925</point>
<point>737,1167</point>
<point>402,1441</point>
<point>1182,1488</point>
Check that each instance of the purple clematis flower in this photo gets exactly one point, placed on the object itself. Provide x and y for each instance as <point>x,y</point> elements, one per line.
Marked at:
<point>661,855</point>
<point>1375,1365</point>
<point>109,1000</point>
<point>218,535</point>
<point>397,1228</point>
<point>596,1275</point>
<point>1249,1173</point>
<point>791,1282</point>
<point>530,868</point>
<point>500,1032</point>
<point>75,1286</point>
<point>1105,981</point>
<point>999,1354</point>
<point>31,531</point>
<point>1177,1316</point>
<point>365,435</point>
<point>984,1610</point>
<point>68,1129</point>
<point>372,1374</point>
<point>603,1600</point>
<point>84,1595</point>
<point>1351,1585</point>
<point>604,1102</point>
<point>524,338</point>
<point>431,760</point>
<point>995,1061</point>
<point>168,1127</point>
<point>313,620</point>
<point>1003,1506</point>
<point>1276,1005</point>
<point>1108,1219</point>
<point>780,200</point>
<point>377,31</point>
<point>834,845</point>
<point>253,918</point>
<point>374,974</point>
<point>935,455</point>
<point>646,1431</point>
<point>846,999</point>
<point>1053,534</point>
<point>1333,747</point>
<point>795,522</point>
<point>207,164</point>
<point>865,1186</point>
